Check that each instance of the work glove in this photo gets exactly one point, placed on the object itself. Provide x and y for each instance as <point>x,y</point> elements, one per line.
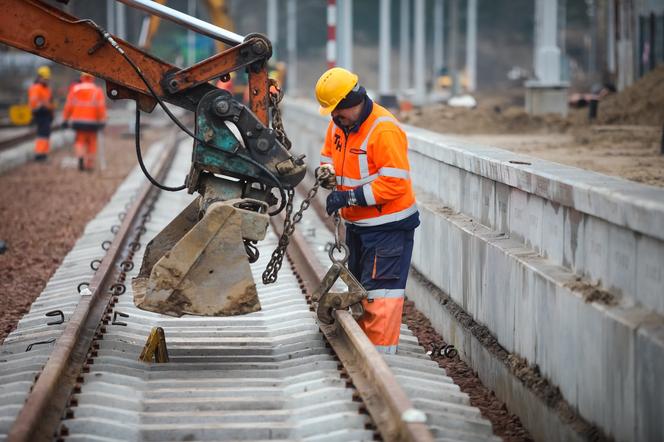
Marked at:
<point>64,124</point>
<point>326,177</point>
<point>337,200</point>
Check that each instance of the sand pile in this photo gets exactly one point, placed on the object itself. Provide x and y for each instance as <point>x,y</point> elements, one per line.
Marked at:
<point>642,103</point>
<point>484,120</point>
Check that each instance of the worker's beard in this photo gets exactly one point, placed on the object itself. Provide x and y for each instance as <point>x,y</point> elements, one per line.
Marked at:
<point>348,120</point>
<point>344,122</point>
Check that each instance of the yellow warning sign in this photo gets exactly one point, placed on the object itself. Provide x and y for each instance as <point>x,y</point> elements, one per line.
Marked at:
<point>20,114</point>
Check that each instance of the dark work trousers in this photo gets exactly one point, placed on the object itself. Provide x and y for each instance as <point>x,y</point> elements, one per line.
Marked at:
<point>43,119</point>
<point>380,260</point>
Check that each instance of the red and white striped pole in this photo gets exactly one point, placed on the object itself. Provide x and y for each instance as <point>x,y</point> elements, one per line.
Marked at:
<point>331,33</point>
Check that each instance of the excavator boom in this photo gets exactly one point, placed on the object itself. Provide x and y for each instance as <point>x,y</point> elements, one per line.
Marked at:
<point>212,236</point>
<point>36,27</point>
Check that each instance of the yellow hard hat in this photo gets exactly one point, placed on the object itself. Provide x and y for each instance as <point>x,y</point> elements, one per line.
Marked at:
<point>44,72</point>
<point>332,87</point>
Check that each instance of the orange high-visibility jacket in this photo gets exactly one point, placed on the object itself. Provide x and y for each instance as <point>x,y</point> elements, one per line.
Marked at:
<point>376,158</point>
<point>40,96</point>
<point>85,104</point>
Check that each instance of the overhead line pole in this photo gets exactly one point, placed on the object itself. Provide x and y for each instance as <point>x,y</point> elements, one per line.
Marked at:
<point>191,35</point>
<point>273,24</point>
<point>404,46</point>
<point>384,59</point>
<point>438,36</point>
<point>291,43</point>
<point>453,42</point>
<point>110,17</point>
<point>420,44</point>
<point>331,48</point>
<point>121,21</point>
<point>345,34</point>
<point>471,45</point>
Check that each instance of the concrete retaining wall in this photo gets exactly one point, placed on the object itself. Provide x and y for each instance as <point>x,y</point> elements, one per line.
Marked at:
<point>564,266</point>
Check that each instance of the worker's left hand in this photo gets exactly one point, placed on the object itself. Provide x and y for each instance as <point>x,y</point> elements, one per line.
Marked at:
<point>325,176</point>
<point>336,200</point>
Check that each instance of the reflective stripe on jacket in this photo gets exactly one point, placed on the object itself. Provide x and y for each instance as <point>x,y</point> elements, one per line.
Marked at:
<point>85,104</point>
<point>374,157</point>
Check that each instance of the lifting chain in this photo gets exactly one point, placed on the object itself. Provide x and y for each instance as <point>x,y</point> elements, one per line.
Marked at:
<point>276,94</point>
<point>273,267</point>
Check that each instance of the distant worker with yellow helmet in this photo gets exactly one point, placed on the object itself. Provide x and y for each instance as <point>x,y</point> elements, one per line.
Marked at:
<point>40,99</point>
<point>368,151</point>
<point>85,112</point>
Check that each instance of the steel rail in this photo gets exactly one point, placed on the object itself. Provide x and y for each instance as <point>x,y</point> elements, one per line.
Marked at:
<point>28,135</point>
<point>40,416</point>
<point>393,413</point>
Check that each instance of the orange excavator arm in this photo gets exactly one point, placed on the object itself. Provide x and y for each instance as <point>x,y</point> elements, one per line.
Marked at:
<point>36,27</point>
<point>235,178</point>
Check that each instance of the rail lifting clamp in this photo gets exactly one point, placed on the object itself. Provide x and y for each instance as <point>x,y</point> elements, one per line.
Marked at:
<point>328,301</point>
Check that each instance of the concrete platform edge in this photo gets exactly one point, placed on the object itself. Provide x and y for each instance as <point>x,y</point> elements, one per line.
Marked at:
<point>543,422</point>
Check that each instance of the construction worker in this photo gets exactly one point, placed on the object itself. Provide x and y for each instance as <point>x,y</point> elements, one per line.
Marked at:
<point>372,188</point>
<point>85,112</point>
<point>40,99</point>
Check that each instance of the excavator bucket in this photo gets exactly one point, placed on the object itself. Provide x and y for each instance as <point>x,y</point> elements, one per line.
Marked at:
<point>201,267</point>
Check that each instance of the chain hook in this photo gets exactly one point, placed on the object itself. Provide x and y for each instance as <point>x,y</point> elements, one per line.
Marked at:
<point>345,254</point>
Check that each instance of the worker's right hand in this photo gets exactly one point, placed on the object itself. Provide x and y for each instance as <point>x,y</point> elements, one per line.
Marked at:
<point>336,200</point>
<point>64,124</point>
<point>326,177</point>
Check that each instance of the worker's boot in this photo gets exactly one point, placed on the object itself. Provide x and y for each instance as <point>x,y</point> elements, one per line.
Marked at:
<point>81,165</point>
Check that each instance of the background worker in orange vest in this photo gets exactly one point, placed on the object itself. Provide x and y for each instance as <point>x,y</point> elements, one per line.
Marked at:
<point>40,99</point>
<point>85,112</point>
<point>368,150</point>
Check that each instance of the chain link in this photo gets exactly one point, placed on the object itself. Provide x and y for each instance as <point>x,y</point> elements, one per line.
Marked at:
<point>276,260</point>
<point>273,267</point>
<point>277,122</point>
<point>337,228</point>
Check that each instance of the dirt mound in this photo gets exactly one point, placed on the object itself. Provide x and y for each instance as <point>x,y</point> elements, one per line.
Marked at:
<point>624,141</point>
<point>642,103</point>
<point>484,120</point>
